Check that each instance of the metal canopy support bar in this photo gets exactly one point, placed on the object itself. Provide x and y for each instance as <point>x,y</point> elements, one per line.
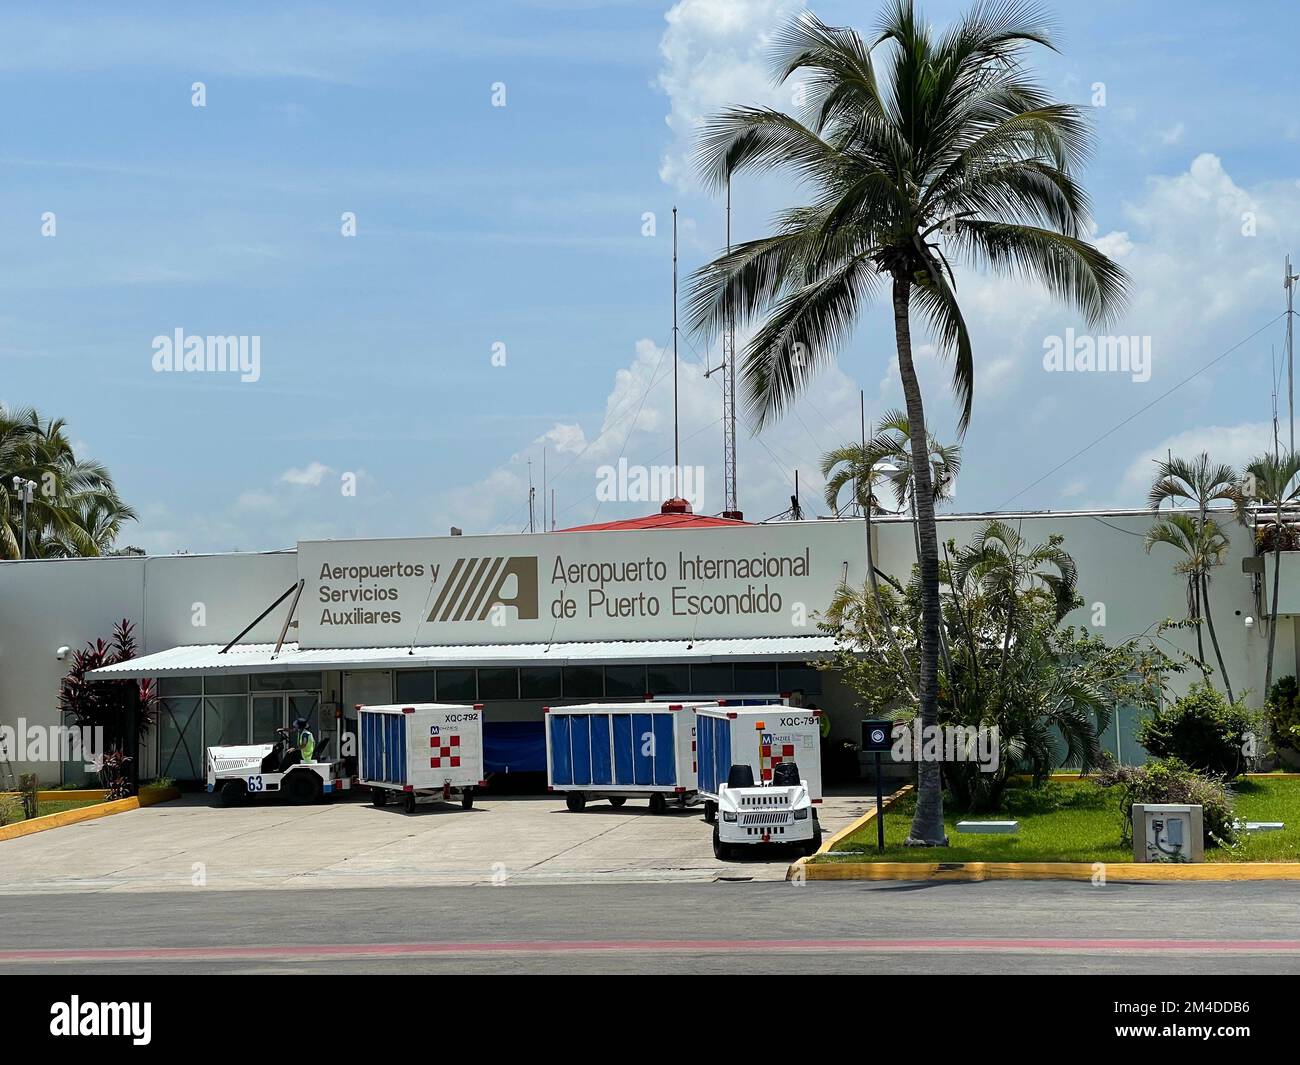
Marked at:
<point>288,618</point>
<point>295,587</point>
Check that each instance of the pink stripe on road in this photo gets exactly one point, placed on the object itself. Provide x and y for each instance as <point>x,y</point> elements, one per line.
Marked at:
<point>659,946</point>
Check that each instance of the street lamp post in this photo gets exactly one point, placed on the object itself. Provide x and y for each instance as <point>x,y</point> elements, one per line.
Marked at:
<point>23,488</point>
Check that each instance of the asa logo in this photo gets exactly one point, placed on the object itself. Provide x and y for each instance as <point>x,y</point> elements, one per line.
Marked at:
<point>475,585</point>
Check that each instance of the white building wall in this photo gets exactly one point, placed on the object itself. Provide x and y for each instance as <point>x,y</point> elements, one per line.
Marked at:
<point>1139,590</point>
<point>48,604</point>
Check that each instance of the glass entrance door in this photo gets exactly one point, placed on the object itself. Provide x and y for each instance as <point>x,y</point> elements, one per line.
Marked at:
<point>278,710</point>
<point>268,715</point>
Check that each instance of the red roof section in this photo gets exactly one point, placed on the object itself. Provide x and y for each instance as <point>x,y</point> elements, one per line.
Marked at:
<point>659,521</point>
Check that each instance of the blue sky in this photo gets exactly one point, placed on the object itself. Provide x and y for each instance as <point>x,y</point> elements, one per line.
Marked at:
<point>522,225</point>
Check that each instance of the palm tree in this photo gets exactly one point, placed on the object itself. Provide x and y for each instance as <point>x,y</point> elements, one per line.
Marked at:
<point>1275,480</point>
<point>1008,571</point>
<point>1204,546</point>
<point>75,509</point>
<point>1200,482</point>
<point>918,148</point>
<point>888,456</point>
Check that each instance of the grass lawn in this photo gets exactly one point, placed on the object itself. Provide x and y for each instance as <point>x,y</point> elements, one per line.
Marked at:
<point>57,806</point>
<point>1075,822</point>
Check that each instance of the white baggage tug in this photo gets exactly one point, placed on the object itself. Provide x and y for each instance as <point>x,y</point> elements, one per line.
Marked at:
<point>421,750</point>
<point>235,773</point>
<point>759,773</point>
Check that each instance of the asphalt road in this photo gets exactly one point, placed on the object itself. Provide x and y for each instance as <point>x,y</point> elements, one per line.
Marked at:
<point>896,927</point>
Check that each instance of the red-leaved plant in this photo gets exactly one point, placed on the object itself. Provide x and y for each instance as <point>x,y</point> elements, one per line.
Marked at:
<point>106,704</point>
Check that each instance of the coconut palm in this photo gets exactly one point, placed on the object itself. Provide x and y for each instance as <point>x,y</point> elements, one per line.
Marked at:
<point>1201,483</point>
<point>1009,571</point>
<point>75,510</point>
<point>1204,545</point>
<point>888,457</point>
<point>1273,482</point>
<point>918,148</point>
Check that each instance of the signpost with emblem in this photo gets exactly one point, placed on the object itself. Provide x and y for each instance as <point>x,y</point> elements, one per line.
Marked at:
<point>877,738</point>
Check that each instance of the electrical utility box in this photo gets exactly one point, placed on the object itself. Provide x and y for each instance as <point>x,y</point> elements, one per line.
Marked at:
<point>1168,833</point>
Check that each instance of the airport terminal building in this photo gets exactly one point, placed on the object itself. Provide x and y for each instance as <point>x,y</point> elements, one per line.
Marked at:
<point>672,603</point>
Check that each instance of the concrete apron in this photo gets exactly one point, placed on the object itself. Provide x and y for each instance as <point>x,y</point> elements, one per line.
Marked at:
<point>193,844</point>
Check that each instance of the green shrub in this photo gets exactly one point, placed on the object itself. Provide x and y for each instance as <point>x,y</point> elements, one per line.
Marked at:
<point>1284,713</point>
<point>11,808</point>
<point>1172,781</point>
<point>1203,730</point>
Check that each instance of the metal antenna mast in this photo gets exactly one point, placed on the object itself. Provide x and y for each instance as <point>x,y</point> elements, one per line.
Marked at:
<point>677,446</point>
<point>1289,284</point>
<point>730,505</point>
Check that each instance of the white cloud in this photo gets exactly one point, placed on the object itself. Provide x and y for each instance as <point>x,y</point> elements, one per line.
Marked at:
<point>715,55</point>
<point>566,439</point>
<point>1173,135</point>
<point>637,425</point>
<point>1233,444</point>
<point>310,475</point>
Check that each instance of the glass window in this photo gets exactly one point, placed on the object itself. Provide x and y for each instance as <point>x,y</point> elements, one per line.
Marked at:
<point>179,686</point>
<point>285,682</point>
<point>668,680</point>
<point>584,682</point>
<point>456,685</point>
<point>539,682</point>
<point>498,684</point>
<point>756,677</point>
<point>415,686</point>
<point>180,738</point>
<point>234,684</point>
<point>625,681</point>
<point>305,706</point>
<point>268,715</point>
<point>712,678</point>
<point>225,720</point>
<point>795,676</point>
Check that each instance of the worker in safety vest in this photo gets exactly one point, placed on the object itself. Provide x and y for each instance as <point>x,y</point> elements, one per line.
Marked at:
<point>306,741</point>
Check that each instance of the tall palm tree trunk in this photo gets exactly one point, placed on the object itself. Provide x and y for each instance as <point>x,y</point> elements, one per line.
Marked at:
<point>1272,614</point>
<point>1214,637</point>
<point>1194,614</point>
<point>927,824</point>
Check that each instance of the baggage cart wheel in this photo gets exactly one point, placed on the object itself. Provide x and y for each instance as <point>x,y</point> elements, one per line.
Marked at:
<point>710,812</point>
<point>575,801</point>
<point>408,802</point>
<point>721,851</point>
<point>658,804</point>
<point>233,792</point>
<point>380,796</point>
<point>467,799</point>
<point>302,788</point>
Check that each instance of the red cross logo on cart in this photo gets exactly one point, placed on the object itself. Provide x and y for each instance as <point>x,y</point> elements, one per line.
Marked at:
<point>771,754</point>
<point>447,747</point>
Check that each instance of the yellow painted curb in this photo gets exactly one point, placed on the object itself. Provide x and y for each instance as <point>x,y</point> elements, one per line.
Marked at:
<point>1102,872</point>
<point>88,813</point>
<point>829,844</point>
